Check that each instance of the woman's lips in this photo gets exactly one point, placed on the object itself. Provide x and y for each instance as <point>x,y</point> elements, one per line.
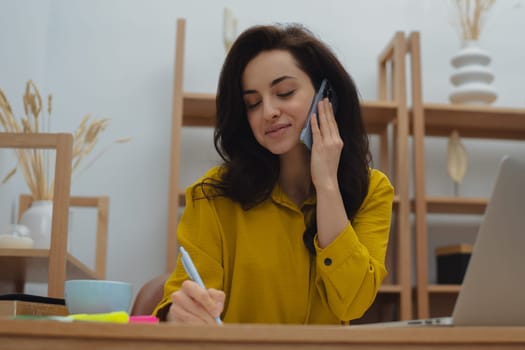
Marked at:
<point>275,129</point>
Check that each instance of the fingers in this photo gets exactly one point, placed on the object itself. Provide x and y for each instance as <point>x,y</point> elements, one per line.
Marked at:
<point>195,305</point>
<point>218,297</point>
<point>326,149</point>
<point>324,118</point>
<point>325,126</point>
<point>316,133</point>
<point>199,294</point>
<point>186,310</point>
<point>332,123</point>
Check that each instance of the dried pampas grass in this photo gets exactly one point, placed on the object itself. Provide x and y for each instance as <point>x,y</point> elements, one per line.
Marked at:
<point>35,164</point>
<point>471,16</point>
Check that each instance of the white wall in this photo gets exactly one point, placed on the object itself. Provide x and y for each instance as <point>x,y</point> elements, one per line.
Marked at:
<point>114,58</point>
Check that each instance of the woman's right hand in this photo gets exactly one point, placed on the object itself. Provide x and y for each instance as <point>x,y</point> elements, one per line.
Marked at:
<point>192,304</point>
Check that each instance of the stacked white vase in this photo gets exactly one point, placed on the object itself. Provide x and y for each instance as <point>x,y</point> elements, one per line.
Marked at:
<point>472,76</point>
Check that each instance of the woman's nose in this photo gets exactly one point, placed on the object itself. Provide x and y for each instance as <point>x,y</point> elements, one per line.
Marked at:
<point>270,110</point>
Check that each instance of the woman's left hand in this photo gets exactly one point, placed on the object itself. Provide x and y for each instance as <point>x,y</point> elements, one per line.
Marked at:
<point>326,148</point>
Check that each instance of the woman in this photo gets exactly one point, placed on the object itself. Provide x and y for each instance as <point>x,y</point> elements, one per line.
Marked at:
<point>279,233</point>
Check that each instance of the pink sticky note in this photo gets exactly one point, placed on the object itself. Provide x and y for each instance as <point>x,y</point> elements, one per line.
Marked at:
<point>143,319</point>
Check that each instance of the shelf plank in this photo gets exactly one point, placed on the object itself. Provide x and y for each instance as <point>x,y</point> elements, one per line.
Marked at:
<point>199,110</point>
<point>474,121</point>
<point>456,205</point>
<point>390,289</point>
<point>444,288</point>
<point>31,265</point>
<point>377,115</point>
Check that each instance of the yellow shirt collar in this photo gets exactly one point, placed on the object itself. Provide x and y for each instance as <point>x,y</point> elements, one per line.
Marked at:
<point>279,197</point>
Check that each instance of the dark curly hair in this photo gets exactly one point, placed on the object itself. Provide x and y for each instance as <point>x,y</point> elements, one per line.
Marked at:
<point>250,172</point>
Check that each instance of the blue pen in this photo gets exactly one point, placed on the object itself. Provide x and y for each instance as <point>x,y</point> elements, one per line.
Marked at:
<point>191,270</point>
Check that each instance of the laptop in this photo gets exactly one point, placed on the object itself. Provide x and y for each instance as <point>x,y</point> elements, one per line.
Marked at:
<point>493,289</point>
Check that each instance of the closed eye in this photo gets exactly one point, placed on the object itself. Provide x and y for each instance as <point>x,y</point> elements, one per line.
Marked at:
<point>252,105</point>
<point>255,104</point>
<point>286,94</point>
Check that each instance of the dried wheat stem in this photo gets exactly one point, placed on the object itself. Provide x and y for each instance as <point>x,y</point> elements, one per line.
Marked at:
<point>8,176</point>
<point>79,135</point>
<point>468,21</point>
<point>124,140</point>
<point>3,121</point>
<point>49,104</point>
<point>26,126</point>
<point>4,102</point>
<point>100,154</point>
<point>26,171</point>
<point>34,163</point>
<point>85,151</point>
<point>35,101</point>
<point>471,15</point>
<point>90,139</point>
<point>8,121</point>
<point>12,125</point>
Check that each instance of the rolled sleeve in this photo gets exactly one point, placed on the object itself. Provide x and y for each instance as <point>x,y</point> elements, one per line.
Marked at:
<point>351,268</point>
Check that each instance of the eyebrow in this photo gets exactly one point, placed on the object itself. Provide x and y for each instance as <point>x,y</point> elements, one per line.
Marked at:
<point>273,83</point>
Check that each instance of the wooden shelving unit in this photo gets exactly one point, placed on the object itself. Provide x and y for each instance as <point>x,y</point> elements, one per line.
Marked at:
<point>198,110</point>
<point>457,205</point>
<point>32,265</point>
<point>74,268</point>
<point>63,143</point>
<point>54,265</point>
<point>443,288</point>
<point>439,120</point>
<point>474,121</point>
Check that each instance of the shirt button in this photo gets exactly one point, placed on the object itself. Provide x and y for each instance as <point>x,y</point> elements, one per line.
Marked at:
<point>328,261</point>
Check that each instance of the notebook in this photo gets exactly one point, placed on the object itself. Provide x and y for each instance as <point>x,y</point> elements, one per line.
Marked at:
<point>493,289</point>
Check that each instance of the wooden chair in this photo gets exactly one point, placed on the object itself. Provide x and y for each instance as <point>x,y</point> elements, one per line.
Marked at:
<point>149,296</point>
<point>57,256</point>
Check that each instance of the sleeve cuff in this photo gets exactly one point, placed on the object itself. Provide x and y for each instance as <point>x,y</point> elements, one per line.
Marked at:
<point>339,250</point>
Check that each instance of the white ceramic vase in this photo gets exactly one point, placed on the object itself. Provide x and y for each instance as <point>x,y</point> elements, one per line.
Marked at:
<point>472,76</point>
<point>38,220</point>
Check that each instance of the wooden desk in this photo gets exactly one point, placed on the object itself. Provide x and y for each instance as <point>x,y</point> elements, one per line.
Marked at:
<point>23,334</point>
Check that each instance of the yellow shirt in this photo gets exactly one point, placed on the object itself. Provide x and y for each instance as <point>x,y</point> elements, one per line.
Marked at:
<point>258,258</point>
